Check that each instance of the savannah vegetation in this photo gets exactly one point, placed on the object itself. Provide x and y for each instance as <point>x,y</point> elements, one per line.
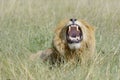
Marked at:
<point>27,26</point>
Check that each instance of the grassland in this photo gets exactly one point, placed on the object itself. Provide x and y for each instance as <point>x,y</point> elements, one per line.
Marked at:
<point>26,26</point>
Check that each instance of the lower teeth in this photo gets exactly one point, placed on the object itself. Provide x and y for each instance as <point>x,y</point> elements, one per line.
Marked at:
<point>77,38</point>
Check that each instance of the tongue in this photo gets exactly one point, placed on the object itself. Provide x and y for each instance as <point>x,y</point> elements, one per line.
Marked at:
<point>73,32</point>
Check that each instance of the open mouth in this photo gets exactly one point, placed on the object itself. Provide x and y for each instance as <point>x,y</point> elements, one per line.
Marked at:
<point>73,33</point>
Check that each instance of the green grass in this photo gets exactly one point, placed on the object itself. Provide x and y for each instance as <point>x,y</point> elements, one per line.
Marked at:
<point>26,26</point>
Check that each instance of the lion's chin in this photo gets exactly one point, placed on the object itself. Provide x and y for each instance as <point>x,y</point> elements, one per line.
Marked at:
<point>74,46</point>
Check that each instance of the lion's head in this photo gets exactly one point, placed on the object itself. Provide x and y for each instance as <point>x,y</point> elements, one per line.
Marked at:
<point>73,34</point>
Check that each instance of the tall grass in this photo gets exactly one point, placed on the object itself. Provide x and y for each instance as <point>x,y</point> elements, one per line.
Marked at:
<point>26,26</point>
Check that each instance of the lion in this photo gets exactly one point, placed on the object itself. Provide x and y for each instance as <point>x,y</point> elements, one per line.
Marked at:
<point>73,41</point>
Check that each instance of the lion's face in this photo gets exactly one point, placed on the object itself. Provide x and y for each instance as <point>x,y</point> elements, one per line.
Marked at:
<point>74,34</point>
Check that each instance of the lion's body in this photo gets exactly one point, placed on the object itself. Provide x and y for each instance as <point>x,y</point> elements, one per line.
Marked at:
<point>63,51</point>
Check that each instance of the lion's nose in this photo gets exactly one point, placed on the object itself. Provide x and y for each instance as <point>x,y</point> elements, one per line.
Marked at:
<point>73,20</point>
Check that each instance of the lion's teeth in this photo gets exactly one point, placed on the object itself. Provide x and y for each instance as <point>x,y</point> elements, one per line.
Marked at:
<point>77,28</point>
<point>78,38</point>
<point>69,28</point>
<point>72,38</point>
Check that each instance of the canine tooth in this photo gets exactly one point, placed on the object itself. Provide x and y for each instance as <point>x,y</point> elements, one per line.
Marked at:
<point>69,28</point>
<point>77,28</point>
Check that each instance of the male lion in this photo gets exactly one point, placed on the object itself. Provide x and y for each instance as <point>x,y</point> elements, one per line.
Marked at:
<point>74,40</point>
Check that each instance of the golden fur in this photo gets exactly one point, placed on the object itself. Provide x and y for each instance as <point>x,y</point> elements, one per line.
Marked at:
<point>60,50</point>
